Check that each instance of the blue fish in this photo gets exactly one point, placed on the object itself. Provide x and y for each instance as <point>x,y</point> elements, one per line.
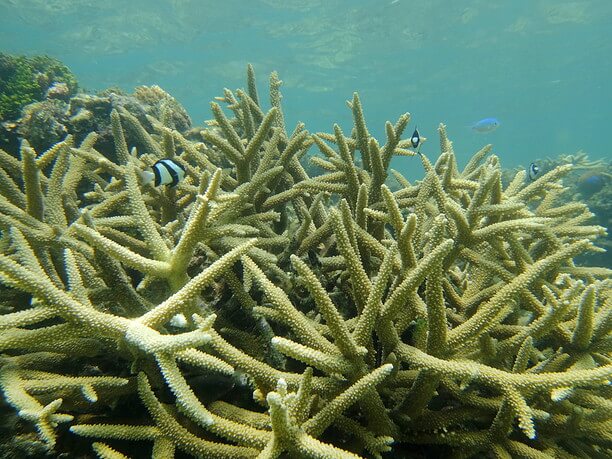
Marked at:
<point>591,182</point>
<point>486,125</point>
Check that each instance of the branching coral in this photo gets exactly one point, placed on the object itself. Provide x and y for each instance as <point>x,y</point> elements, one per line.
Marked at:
<point>447,312</point>
<point>589,182</point>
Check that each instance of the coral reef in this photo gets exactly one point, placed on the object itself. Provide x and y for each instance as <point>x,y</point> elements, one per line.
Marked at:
<point>43,82</point>
<point>28,79</point>
<point>589,182</point>
<point>593,186</point>
<point>51,120</point>
<point>45,108</point>
<point>256,311</point>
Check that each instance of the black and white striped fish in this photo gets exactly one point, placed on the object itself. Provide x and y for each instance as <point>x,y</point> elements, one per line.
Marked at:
<point>164,172</point>
<point>415,140</point>
<point>533,171</point>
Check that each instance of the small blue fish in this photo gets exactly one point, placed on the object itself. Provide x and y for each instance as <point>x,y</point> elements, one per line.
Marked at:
<point>486,125</point>
<point>592,182</point>
<point>533,171</point>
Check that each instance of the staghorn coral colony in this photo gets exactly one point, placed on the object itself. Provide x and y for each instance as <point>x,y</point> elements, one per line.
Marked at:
<point>256,311</point>
<point>591,182</point>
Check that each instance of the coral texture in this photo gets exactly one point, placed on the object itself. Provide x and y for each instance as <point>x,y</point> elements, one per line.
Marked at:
<point>256,311</point>
<point>27,79</point>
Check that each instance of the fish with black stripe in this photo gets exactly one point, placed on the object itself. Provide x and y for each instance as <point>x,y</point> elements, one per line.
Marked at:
<point>533,172</point>
<point>164,172</point>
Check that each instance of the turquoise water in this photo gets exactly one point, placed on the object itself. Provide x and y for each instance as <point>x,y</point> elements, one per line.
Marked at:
<point>542,67</point>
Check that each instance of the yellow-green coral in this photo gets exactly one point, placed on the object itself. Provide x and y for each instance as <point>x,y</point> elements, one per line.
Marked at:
<point>345,315</point>
<point>26,79</point>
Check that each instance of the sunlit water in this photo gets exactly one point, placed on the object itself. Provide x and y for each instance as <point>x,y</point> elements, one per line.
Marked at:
<point>542,67</point>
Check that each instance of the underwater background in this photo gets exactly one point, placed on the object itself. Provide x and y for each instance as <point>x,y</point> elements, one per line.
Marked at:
<point>541,67</point>
<point>186,278</point>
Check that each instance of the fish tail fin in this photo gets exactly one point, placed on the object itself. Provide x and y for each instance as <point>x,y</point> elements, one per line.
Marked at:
<point>146,177</point>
